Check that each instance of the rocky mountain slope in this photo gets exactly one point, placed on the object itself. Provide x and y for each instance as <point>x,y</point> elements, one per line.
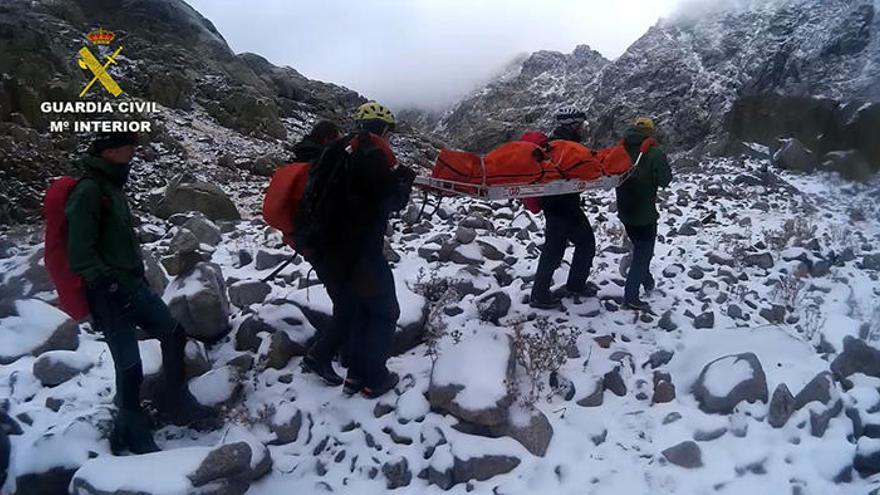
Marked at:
<point>755,71</point>
<point>172,56</point>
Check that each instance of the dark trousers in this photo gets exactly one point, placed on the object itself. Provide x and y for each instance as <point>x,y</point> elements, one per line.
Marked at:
<point>558,232</point>
<point>643,239</point>
<point>149,312</point>
<point>365,312</point>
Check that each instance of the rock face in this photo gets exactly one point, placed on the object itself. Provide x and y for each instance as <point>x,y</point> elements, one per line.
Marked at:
<point>199,302</point>
<point>208,199</point>
<point>34,327</point>
<point>729,380</point>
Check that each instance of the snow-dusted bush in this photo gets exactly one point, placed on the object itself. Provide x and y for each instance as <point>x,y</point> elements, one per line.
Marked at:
<point>539,352</point>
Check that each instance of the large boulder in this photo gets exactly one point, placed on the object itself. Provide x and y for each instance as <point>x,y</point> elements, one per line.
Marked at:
<point>182,196</point>
<point>729,380</point>
<point>199,302</point>
<point>454,388</point>
<point>857,357</point>
<point>225,470</point>
<point>56,367</point>
<point>793,155</point>
<point>33,327</point>
<point>247,292</point>
<point>206,231</point>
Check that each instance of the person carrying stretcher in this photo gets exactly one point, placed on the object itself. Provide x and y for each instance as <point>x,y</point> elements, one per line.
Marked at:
<point>565,222</point>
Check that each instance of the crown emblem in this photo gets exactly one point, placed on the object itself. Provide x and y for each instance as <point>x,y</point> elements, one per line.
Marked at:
<point>101,36</point>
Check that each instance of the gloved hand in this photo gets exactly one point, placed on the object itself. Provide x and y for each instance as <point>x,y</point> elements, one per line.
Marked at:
<point>405,175</point>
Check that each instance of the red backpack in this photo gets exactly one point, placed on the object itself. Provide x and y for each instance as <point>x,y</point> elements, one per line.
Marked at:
<point>282,199</point>
<point>70,286</point>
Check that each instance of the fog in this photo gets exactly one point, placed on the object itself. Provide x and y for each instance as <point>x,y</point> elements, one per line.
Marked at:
<point>423,53</point>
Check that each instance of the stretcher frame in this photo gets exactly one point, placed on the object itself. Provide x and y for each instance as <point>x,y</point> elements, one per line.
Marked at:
<point>519,191</point>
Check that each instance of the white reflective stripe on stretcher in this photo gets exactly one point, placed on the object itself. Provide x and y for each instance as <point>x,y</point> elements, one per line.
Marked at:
<point>514,191</point>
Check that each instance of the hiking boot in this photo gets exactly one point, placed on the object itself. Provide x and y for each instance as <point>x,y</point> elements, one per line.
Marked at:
<point>352,385</point>
<point>180,408</point>
<point>545,302</point>
<point>637,305</point>
<point>387,385</point>
<point>132,432</point>
<point>588,290</point>
<point>323,370</point>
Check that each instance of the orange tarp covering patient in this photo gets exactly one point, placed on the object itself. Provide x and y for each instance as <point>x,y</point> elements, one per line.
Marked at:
<point>522,162</point>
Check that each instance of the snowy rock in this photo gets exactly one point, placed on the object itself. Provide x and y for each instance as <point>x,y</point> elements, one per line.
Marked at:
<point>183,263</point>
<point>245,293</point>
<point>217,387</point>
<point>286,424</point>
<point>206,231</point>
<point>793,155</point>
<point>867,460</point>
<point>199,302</point>
<point>595,398</point>
<point>774,314</point>
<point>857,357</point>
<point>494,306</point>
<point>673,271</point>
<point>475,468</point>
<point>209,199</point>
<point>871,262</point>
<point>762,260</point>
<point>686,454</point>
<point>266,260</point>
<point>56,367</point>
<point>397,473</point>
<point>196,362</point>
<point>729,380</point>
<point>490,252</point>
<point>477,221</point>
<point>282,350</point>
<point>614,382</point>
<point>705,320</point>
<point>479,398</point>
<point>184,242</point>
<point>465,235</point>
<point>659,358</point>
<point>156,278</point>
<point>227,469</point>
<point>820,419</point>
<point>33,327</point>
<point>817,390</point>
<point>664,389</point>
<point>781,406</point>
<point>666,322</point>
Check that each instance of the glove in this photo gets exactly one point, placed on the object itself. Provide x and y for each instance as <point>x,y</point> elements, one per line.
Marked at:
<point>405,175</point>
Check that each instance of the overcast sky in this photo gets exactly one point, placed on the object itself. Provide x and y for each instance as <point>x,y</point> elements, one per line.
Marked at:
<point>425,53</point>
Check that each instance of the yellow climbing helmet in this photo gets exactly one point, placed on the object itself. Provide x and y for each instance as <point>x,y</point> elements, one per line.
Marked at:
<point>645,123</point>
<point>374,111</point>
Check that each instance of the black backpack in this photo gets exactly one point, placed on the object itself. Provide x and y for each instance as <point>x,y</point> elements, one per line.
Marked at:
<point>326,201</point>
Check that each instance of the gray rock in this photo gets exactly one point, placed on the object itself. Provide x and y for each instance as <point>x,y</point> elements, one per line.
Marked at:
<point>56,367</point>
<point>774,314</point>
<point>819,389</point>
<point>705,320</point>
<point>243,294</point>
<point>664,392</point>
<point>735,312</point>
<point>184,242</point>
<point>666,322</point>
<point>227,463</point>
<point>245,258</point>
<point>793,155</point>
<point>475,468</point>
<point>867,460</point>
<point>494,306</point>
<point>490,252</point>
<point>286,431</point>
<point>819,421</point>
<point>718,259</point>
<point>53,481</point>
<point>266,260</point>
<point>204,313</point>
<point>155,276</point>
<point>397,473</point>
<point>182,264</point>
<point>781,406</point>
<point>857,357</point>
<point>751,390</point>
<point>205,231</point>
<point>686,454</point>
<point>535,436</point>
<point>209,199</point>
<point>820,269</point>
<point>281,350</point>
<point>465,235</point>
<point>871,262</point>
<point>708,436</point>
<point>595,398</point>
<point>477,222</point>
<point>614,382</point>
<point>762,260</point>
<point>659,358</point>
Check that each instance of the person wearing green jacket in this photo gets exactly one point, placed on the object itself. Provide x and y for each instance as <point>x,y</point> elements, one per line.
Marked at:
<point>637,208</point>
<point>103,250</point>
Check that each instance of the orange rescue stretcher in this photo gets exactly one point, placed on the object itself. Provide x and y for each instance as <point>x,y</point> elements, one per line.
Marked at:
<point>523,169</point>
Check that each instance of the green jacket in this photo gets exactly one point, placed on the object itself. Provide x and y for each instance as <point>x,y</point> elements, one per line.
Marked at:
<point>637,197</point>
<point>101,241</point>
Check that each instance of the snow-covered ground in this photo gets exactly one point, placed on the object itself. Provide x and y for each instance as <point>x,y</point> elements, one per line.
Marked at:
<point>733,281</point>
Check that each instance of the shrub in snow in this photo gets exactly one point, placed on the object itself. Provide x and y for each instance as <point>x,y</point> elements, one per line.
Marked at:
<point>539,352</point>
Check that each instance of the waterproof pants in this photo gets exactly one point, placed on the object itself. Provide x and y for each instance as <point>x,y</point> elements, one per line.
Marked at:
<point>149,312</point>
<point>365,312</point>
<point>643,239</point>
<point>561,229</point>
